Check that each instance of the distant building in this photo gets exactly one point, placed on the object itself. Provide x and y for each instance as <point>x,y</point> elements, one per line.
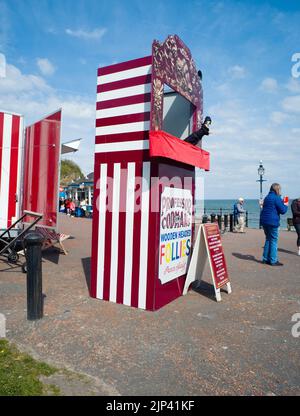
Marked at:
<point>81,189</point>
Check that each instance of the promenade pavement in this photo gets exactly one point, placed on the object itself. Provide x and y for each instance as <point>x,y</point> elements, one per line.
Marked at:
<point>193,346</point>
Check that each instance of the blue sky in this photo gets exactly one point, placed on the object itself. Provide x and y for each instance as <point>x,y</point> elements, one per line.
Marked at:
<point>244,49</point>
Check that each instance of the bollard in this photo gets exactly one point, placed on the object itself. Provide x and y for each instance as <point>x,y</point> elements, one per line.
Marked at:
<point>204,219</point>
<point>33,244</point>
<point>231,223</point>
<point>226,221</point>
<point>247,219</point>
<point>220,221</point>
<point>212,217</point>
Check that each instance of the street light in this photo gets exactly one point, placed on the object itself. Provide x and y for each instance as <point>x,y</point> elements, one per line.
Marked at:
<point>261,172</point>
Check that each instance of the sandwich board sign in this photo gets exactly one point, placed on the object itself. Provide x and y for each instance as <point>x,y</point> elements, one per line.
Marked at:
<point>208,245</point>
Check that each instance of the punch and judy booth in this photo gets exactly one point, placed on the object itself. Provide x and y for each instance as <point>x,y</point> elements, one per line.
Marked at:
<point>144,176</point>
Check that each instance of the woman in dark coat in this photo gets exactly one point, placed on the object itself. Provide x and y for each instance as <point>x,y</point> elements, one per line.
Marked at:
<point>296,220</point>
<point>273,207</point>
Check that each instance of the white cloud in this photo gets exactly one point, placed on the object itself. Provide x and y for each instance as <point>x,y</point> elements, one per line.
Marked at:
<point>33,97</point>
<point>95,34</point>
<point>269,85</point>
<point>237,71</point>
<point>45,66</point>
<point>292,104</point>
<point>16,82</point>
<point>278,117</point>
<point>293,85</point>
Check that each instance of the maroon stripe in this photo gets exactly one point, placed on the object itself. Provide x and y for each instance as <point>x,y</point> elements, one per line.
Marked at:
<point>95,228</point>
<point>118,102</point>
<point>124,83</point>
<point>136,235</point>
<point>123,66</point>
<point>122,235</point>
<point>128,118</point>
<point>122,137</point>
<point>13,169</point>
<point>1,141</point>
<point>108,230</point>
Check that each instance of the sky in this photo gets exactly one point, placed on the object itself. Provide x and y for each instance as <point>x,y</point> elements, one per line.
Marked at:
<point>245,50</point>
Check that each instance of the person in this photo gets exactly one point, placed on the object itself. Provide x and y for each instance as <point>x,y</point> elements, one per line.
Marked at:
<point>296,220</point>
<point>72,207</point>
<point>196,137</point>
<point>67,206</point>
<point>272,208</point>
<point>239,213</point>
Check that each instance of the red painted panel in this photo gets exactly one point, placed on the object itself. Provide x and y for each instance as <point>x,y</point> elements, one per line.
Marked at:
<point>129,118</point>
<point>13,177</point>
<point>123,66</point>
<point>122,137</point>
<point>41,168</point>
<point>118,102</point>
<point>124,83</point>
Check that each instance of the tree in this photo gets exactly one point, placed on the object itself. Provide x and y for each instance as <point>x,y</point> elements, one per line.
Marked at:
<point>69,171</point>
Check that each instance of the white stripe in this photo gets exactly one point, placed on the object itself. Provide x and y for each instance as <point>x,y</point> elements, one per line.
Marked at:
<point>124,110</point>
<point>128,73</point>
<point>101,231</point>
<point>123,128</point>
<point>19,174</point>
<point>129,233</point>
<point>122,146</point>
<point>5,171</point>
<point>144,236</point>
<point>115,234</point>
<point>124,92</point>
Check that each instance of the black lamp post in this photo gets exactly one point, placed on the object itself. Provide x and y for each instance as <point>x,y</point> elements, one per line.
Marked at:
<point>261,172</point>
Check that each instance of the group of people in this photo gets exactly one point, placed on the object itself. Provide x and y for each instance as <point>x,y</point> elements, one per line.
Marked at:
<point>70,205</point>
<point>271,208</point>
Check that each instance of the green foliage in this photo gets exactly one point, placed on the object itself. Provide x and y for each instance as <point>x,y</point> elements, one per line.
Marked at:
<point>19,373</point>
<point>69,171</point>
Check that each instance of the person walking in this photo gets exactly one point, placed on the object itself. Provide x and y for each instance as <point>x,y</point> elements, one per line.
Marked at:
<point>272,208</point>
<point>240,215</point>
<point>296,220</point>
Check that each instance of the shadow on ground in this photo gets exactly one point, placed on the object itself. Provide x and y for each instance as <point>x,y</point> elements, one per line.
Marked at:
<point>206,289</point>
<point>282,250</point>
<point>248,257</point>
<point>86,264</point>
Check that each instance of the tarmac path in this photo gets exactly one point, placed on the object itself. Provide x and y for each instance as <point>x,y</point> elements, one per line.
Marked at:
<point>193,346</point>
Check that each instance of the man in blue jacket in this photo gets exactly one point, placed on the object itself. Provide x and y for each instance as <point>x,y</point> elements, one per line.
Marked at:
<point>273,207</point>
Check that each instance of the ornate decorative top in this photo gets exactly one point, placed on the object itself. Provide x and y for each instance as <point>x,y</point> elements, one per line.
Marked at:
<point>173,65</point>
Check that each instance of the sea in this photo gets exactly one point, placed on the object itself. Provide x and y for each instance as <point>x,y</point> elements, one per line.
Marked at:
<point>225,206</point>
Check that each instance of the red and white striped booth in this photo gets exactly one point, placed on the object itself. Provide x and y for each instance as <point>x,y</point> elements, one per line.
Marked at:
<point>144,176</point>
<point>11,152</point>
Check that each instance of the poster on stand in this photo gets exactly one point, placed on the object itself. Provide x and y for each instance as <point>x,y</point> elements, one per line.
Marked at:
<point>175,233</point>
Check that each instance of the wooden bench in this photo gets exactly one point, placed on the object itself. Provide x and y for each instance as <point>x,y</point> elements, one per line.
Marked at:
<point>52,238</point>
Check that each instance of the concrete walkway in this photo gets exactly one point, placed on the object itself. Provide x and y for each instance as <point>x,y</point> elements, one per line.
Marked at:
<point>193,346</point>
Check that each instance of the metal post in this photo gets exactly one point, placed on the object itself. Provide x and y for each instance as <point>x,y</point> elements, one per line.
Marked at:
<point>33,244</point>
<point>204,219</point>
<point>231,223</point>
<point>226,221</point>
<point>220,221</point>
<point>247,219</point>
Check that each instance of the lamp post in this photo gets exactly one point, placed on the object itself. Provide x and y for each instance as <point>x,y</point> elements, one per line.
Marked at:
<point>261,172</point>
